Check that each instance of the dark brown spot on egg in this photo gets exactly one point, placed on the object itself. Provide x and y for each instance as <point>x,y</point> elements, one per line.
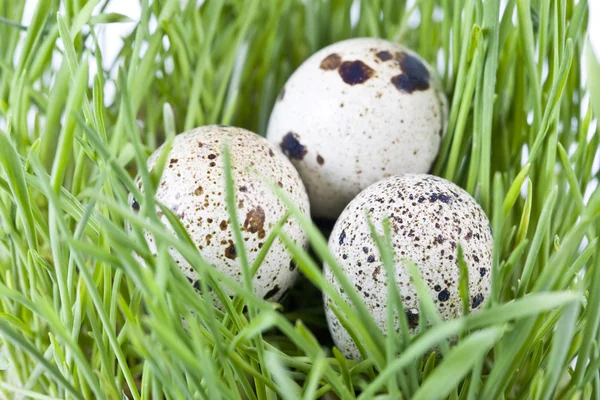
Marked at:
<point>271,153</point>
<point>437,288</point>
<point>342,237</point>
<point>477,300</point>
<point>272,292</point>
<point>243,189</point>
<point>223,225</point>
<point>135,205</point>
<point>331,62</point>
<point>292,265</point>
<point>414,74</point>
<point>196,285</point>
<point>384,55</point>
<point>198,191</point>
<point>482,271</point>
<point>320,159</point>
<point>212,156</point>
<point>355,72</point>
<point>376,272</point>
<point>412,318</point>
<point>444,295</point>
<point>212,164</point>
<point>230,251</point>
<point>292,147</point>
<point>254,222</point>
<point>173,161</point>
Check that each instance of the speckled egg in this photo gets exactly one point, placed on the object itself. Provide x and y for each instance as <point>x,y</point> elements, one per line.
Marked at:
<point>429,217</point>
<point>356,112</point>
<point>193,186</point>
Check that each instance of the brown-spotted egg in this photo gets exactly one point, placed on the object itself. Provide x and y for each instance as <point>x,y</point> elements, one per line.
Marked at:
<point>429,218</point>
<point>355,112</point>
<point>193,187</point>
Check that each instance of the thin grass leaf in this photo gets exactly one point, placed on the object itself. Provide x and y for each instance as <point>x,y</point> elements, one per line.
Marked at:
<point>514,190</point>
<point>289,389</point>
<point>591,330</point>
<point>458,363</point>
<point>543,227</point>
<point>16,181</point>
<point>564,334</point>
<point>17,340</point>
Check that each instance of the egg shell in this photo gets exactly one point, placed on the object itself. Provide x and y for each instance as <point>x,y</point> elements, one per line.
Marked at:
<point>193,187</point>
<point>429,217</point>
<point>356,112</point>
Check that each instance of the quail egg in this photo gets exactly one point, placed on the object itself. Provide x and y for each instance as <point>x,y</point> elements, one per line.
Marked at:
<point>429,218</point>
<point>193,187</point>
<point>355,112</point>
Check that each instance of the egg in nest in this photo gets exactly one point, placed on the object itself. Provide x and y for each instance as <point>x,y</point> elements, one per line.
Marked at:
<point>429,218</point>
<point>355,112</point>
<point>193,187</point>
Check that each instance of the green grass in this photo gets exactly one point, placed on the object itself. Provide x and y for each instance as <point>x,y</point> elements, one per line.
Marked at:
<point>80,318</point>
